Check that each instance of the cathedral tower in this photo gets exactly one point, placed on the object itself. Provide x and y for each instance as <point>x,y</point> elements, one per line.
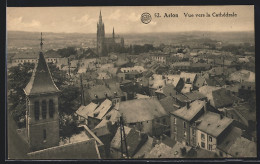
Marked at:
<point>100,37</point>
<point>42,119</point>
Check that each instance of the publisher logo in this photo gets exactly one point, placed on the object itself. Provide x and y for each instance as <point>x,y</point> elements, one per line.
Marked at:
<point>146,18</point>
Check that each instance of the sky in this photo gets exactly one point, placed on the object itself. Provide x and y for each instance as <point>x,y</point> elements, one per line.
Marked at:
<point>127,19</point>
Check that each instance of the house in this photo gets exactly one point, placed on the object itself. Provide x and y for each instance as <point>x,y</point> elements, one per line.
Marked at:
<point>169,104</point>
<point>84,145</point>
<point>242,75</point>
<point>84,111</point>
<point>187,88</point>
<point>243,148</point>
<point>99,93</point>
<point>167,90</point>
<point>102,128</point>
<point>218,97</point>
<point>176,81</point>
<point>183,118</point>
<point>195,95</point>
<point>210,129</point>
<point>146,115</point>
<point>146,148</point>
<point>242,114</point>
<point>134,140</point>
<point>163,151</point>
<point>95,117</point>
<point>189,78</point>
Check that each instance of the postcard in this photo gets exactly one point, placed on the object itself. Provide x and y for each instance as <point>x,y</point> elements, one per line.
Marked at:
<point>131,82</point>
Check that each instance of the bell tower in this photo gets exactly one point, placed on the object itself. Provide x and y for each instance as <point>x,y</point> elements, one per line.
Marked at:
<point>100,36</point>
<point>42,118</point>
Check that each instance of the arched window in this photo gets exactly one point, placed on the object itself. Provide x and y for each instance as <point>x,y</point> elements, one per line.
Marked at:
<point>44,135</point>
<point>51,108</point>
<point>36,110</point>
<point>44,109</point>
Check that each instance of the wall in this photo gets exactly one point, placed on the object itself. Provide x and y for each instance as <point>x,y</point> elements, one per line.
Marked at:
<point>206,141</point>
<point>36,127</point>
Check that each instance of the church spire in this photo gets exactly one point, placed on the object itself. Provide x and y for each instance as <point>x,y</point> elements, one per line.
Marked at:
<point>41,44</point>
<point>41,81</point>
<point>100,18</point>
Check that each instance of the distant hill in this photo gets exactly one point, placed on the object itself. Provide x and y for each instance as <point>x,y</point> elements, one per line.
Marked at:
<point>60,40</point>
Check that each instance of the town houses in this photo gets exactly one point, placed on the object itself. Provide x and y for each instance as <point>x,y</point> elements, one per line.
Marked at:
<point>176,102</point>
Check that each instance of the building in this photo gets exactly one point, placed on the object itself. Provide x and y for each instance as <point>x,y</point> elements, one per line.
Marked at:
<point>211,128</point>
<point>105,44</point>
<point>183,118</point>
<point>42,119</point>
<point>145,115</point>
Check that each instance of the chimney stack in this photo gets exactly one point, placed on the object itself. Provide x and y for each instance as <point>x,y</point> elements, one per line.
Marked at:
<point>188,104</point>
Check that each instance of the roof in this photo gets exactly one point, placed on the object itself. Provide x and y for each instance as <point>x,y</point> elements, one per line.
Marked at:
<point>186,75</point>
<point>169,104</point>
<point>221,98</point>
<point>140,110</point>
<point>85,110</point>
<point>187,88</point>
<point>191,112</point>
<point>230,139</point>
<point>163,151</point>
<point>134,139</point>
<point>102,109</point>
<point>41,80</point>
<point>212,124</point>
<point>243,75</point>
<point>173,79</point>
<point>101,90</point>
<point>195,95</point>
<point>146,148</point>
<point>80,150</point>
<point>243,148</point>
<point>167,90</point>
<point>112,116</point>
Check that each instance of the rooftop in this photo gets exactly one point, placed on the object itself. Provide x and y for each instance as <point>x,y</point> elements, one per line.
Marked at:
<point>84,111</point>
<point>212,123</point>
<point>41,81</point>
<point>140,110</point>
<point>189,113</point>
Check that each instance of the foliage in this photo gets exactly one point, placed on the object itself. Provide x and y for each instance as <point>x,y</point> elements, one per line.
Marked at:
<point>69,100</point>
<point>68,126</point>
<point>66,52</point>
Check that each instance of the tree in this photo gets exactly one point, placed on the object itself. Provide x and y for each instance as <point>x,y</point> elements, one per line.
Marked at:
<point>68,126</point>
<point>69,100</point>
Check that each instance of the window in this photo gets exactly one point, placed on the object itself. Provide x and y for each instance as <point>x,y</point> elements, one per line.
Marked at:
<point>184,124</point>
<point>203,137</point>
<point>210,147</point>
<point>220,154</point>
<point>202,144</point>
<point>51,108</point>
<point>36,110</point>
<point>164,121</point>
<point>44,135</point>
<point>174,129</point>
<point>44,109</point>
<point>193,132</point>
<point>174,120</point>
<point>184,134</point>
<point>210,139</point>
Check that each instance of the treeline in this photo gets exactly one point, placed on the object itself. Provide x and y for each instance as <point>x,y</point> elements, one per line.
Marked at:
<point>239,49</point>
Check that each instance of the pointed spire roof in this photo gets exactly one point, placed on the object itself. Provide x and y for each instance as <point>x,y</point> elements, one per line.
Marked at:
<point>100,18</point>
<point>41,81</point>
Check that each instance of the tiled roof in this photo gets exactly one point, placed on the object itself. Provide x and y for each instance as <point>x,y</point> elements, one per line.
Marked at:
<point>212,123</point>
<point>140,110</point>
<point>41,81</point>
<point>195,95</point>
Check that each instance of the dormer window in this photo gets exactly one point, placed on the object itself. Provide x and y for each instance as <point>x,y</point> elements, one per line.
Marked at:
<point>96,114</point>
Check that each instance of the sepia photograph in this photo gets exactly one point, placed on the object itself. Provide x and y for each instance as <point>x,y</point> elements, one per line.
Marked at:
<point>131,82</point>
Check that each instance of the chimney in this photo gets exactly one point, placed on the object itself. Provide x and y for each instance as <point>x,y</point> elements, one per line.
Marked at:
<point>188,104</point>
<point>221,116</point>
